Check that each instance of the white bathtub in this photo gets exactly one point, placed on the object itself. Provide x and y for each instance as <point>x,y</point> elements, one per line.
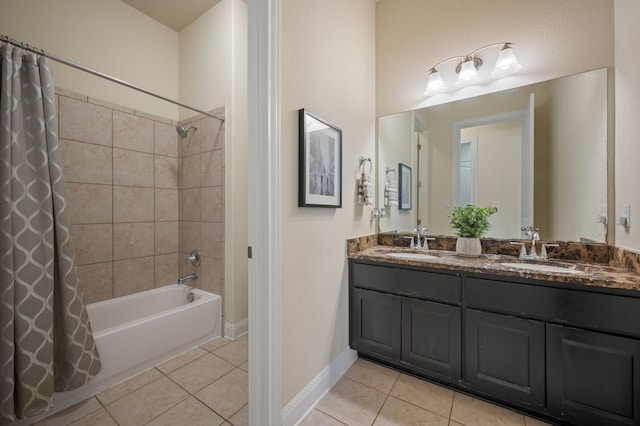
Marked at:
<point>136,332</point>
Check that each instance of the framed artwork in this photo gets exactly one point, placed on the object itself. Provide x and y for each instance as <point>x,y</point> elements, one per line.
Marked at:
<point>404,187</point>
<point>320,162</point>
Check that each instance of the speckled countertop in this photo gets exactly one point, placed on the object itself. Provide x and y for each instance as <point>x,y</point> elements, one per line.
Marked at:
<point>591,273</point>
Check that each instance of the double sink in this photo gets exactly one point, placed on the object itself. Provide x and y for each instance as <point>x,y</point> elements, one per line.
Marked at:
<point>527,265</point>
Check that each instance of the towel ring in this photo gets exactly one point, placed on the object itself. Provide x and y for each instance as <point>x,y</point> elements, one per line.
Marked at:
<point>364,160</point>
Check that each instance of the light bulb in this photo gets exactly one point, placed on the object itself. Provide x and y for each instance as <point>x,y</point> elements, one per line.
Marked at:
<point>468,73</point>
<point>507,62</point>
<point>434,83</point>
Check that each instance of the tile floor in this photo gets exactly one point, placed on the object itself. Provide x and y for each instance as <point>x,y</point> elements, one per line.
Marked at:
<point>208,385</point>
<point>371,394</point>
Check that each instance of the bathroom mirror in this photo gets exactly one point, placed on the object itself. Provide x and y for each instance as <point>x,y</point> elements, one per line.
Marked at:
<point>537,152</point>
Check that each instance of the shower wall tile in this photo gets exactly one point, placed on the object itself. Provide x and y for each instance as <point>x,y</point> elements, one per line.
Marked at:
<point>89,203</point>
<point>85,122</point>
<point>190,237</point>
<point>133,275</point>
<point>191,144</point>
<point>96,281</point>
<point>210,131</point>
<point>131,204</point>
<point>211,168</point>
<point>131,168</point>
<point>133,132</point>
<point>166,269</point>
<point>212,245</point>
<point>191,204</point>
<point>190,172</point>
<point>154,117</point>
<point>166,172</point>
<point>166,140</point>
<point>92,243</point>
<point>166,237</point>
<point>86,163</point>
<point>211,275</point>
<point>69,94</point>
<point>211,209</point>
<point>110,105</point>
<point>167,205</point>
<point>132,240</point>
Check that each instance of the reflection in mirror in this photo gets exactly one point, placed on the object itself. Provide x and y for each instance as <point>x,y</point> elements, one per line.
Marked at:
<point>537,152</point>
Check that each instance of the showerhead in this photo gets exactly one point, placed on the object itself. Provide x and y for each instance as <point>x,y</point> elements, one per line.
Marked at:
<point>184,131</point>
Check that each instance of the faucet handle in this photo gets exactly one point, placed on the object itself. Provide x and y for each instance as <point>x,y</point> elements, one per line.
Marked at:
<point>523,250</point>
<point>543,250</point>
<point>194,258</point>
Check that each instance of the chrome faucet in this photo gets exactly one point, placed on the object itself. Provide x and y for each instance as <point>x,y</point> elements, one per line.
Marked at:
<point>187,278</point>
<point>425,239</point>
<point>533,234</point>
<point>415,240</point>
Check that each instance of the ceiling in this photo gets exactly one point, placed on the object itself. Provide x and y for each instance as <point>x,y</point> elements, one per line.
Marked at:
<point>172,13</point>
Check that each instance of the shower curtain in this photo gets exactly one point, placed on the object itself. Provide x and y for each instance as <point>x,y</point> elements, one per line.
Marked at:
<point>46,343</point>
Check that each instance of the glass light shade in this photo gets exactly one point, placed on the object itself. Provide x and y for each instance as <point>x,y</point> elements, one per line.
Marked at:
<point>507,62</point>
<point>434,84</point>
<point>468,74</point>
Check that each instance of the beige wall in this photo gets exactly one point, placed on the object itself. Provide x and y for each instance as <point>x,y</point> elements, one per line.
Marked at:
<point>121,169</point>
<point>106,35</point>
<point>627,103</point>
<point>552,38</point>
<point>213,72</point>
<point>328,67</point>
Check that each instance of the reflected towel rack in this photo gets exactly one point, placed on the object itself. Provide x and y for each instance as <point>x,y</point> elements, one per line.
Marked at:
<point>363,160</point>
<point>388,171</point>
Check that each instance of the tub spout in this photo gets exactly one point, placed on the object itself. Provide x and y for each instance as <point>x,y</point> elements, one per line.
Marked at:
<point>187,278</point>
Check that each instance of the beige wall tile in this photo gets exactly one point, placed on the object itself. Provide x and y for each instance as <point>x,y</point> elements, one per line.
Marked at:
<point>167,269</point>
<point>131,204</point>
<point>133,275</point>
<point>89,203</point>
<point>189,236</point>
<point>132,168</point>
<point>131,240</point>
<point>166,239</point>
<point>191,204</point>
<point>211,240</point>
<point>96,281</point>
<point>209,132</point>
<point>167,205</point>
<point>132,132</point>
<point>69,94</point>
<point>92,243</point>
<point>191,144</point>
<point>211,205</point>
<point>86,163</point>
<point>211,167</point>
<point>110,105</point>
<point>166,140</point>
<point>210,275</point>
<point>166,172</point>
<point>190,172</point>
<point>84,122</point>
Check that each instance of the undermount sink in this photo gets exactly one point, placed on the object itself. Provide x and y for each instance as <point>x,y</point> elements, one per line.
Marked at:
<point>413,256</point>
<point>544,267</point>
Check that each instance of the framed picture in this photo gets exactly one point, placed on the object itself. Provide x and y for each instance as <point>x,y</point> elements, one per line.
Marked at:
<point>404,187</point>
<point>320,163</point>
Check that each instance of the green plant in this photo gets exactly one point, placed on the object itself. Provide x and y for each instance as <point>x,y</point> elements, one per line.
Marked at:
<point>471,221</point>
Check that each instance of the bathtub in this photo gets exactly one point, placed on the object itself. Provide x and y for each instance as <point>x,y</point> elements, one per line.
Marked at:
<point>136,332</point>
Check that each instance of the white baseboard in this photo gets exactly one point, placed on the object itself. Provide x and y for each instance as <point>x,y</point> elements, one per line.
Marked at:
<point>233,331</point>
<point>306,400</point>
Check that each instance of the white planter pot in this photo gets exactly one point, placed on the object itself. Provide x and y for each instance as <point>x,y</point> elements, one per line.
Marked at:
<point>468,246</point>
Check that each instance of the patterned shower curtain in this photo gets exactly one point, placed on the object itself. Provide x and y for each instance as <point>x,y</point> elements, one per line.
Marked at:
<point>46,343</point>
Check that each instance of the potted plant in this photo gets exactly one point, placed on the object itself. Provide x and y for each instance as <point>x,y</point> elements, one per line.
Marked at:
<point>470,223</point>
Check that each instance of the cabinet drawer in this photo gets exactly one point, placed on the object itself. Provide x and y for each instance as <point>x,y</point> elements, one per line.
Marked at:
<point>606,312</point>
<point>407,282</point>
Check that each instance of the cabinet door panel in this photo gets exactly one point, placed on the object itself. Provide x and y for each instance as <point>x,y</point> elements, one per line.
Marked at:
<point>505,357</point>
<point>375,323</point>
<point>593,378</point>
<point>431,337</point>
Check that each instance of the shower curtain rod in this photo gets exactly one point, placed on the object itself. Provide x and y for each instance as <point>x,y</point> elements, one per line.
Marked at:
<point>56,58</point>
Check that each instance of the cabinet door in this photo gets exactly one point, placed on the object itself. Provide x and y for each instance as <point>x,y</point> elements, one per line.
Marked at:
<point>375,323</point>
<point>593,378</point>
<point>431,337</point>
<point>505,357</point>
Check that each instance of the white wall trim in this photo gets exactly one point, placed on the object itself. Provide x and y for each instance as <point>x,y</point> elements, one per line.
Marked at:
<point>233,331</point>
<point>298,408</point>
<point>264,213</point>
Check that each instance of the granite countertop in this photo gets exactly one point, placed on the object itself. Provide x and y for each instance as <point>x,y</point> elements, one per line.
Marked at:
<point>592,274</point>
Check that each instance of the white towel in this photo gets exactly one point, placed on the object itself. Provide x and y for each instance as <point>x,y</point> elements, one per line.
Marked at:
<point>390,194</point>
<point>365,190</point>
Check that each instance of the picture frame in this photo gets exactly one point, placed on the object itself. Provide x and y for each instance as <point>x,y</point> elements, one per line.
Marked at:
<point>320,162</point>
<point>404,187</point>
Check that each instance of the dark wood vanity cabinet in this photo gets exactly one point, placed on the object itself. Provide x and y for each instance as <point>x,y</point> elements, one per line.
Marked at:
<point>565,352</point>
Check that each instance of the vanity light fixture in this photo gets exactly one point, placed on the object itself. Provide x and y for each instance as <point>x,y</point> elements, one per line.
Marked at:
<point>468,66</point>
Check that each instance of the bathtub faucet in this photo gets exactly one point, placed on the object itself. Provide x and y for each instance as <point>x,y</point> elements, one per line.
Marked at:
<point>187,278</point>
